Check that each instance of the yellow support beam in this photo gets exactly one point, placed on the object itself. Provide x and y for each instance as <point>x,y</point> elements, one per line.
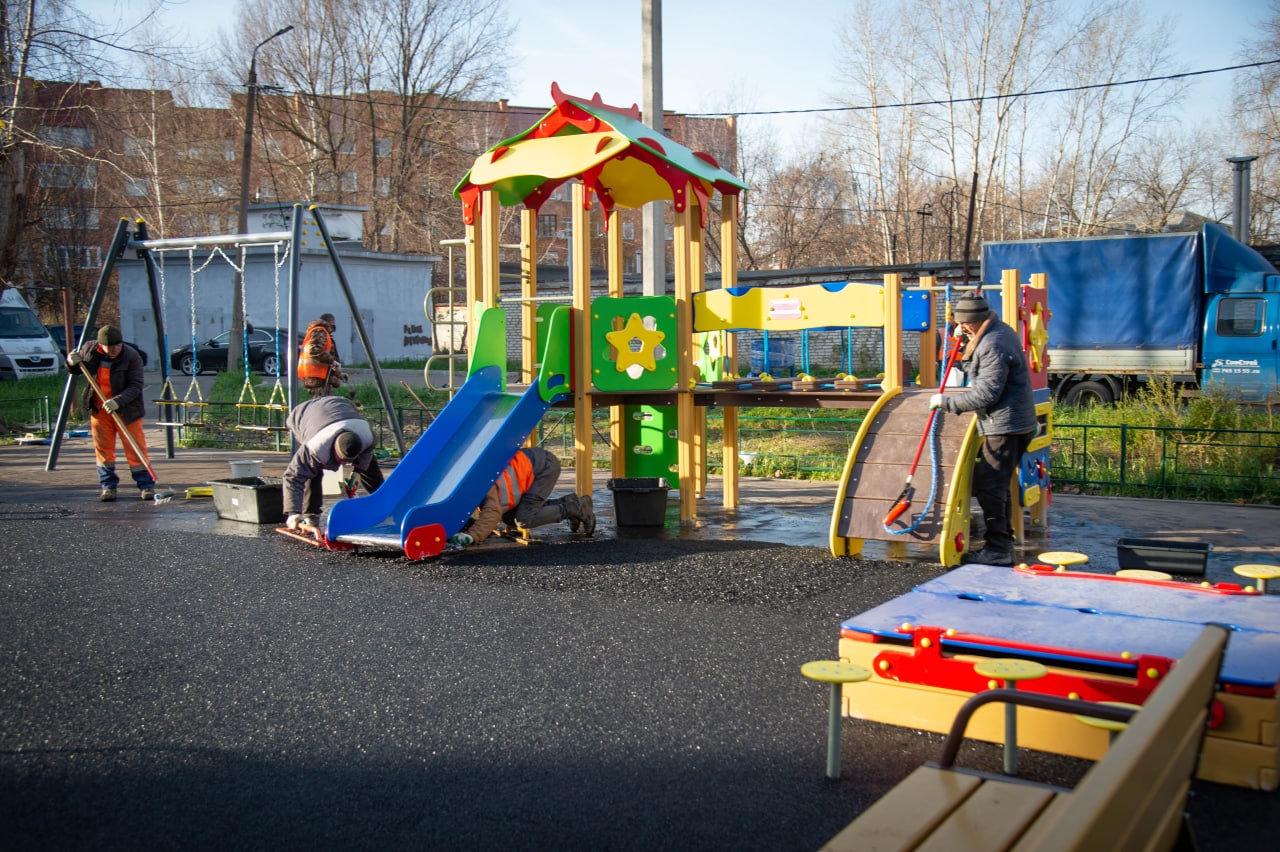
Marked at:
<point>728,280</point>
<point>580,251</point>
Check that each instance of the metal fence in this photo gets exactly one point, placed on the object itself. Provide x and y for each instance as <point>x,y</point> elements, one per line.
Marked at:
<point>1168,461</point>
<point>27,415</point>
<point>1147,461</point>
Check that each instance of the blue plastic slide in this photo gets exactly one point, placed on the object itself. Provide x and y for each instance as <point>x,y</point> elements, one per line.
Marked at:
<point>432,492</point>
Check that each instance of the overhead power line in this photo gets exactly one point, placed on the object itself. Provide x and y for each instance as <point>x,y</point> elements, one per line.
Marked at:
<point>980,98</point>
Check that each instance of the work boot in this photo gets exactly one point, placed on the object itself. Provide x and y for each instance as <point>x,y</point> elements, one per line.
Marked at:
<point>988,556</point>
<point>586,514</point>
<point>108,495</point>
<point>148,494</point>
<point>572,511</point>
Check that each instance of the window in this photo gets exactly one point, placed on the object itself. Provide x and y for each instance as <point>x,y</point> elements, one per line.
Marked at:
<point>1240,317</point>
<point>135,187</point>
<point>384,186</point>
<point>560,193</point>
<point>66,137</point>
<point>628,230</point>
<point>267,190</point>
<point>327,182</point>
<point>70,218</point>
<point>218,189</point>
<point>349,181</point>
<point>229,150</point>
<point>382,148</point>
<point>67,176</point>
<point>347,146</point>
<point>272,146</point>
<point>133,147</point>
<point>547,225</point>
<point>73,257</point>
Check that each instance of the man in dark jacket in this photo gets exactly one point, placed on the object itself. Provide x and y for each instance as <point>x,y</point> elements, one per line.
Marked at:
<point>117,369</point>
<point>1000,392</point>
<point>330,433</point>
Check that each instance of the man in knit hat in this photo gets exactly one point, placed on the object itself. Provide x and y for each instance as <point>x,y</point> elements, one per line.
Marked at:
<point>329,432</point>
<point>117,370</point>
<point>999,392</point>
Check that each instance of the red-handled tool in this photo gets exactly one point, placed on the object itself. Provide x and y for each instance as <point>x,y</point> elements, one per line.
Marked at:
<point>903,503</point>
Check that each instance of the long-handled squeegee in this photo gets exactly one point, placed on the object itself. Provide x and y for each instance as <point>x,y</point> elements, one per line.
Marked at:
<point>903,503</point>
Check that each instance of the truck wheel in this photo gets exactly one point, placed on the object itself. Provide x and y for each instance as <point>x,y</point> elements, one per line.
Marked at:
<point>1085,394</point>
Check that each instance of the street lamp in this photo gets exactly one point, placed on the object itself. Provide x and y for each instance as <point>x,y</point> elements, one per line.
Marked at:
<point>236,342</point>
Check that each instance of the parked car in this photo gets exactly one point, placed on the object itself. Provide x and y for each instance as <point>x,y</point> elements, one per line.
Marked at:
<point>268,350</point>
<point>59,335</point>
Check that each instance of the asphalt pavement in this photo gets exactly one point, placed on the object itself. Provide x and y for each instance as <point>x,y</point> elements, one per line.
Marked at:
<point>171,679</point>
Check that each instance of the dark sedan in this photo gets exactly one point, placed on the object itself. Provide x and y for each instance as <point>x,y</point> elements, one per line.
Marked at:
<point>268,350</point>
<point>59,335</point>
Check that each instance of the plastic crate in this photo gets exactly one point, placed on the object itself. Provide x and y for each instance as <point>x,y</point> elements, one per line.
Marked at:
<point>640,501</point>
<point>252,499</point>
<point>1171,557</point>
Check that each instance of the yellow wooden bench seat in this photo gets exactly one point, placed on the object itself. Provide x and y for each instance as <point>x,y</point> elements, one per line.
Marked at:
<point>1131,799</point>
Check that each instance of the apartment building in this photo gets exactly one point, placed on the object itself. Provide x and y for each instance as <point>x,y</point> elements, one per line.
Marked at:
<point>104,154</point>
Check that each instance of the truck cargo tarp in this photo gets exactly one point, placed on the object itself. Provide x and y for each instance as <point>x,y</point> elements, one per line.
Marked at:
<point>1101,291</point>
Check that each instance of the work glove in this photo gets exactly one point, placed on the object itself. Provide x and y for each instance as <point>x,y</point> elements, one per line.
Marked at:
<point>461,539</point>
<point>349,486</point>
<point>293,521</point>
<point>111,405</point>
<point>935,401</point>
<point>75,359</point>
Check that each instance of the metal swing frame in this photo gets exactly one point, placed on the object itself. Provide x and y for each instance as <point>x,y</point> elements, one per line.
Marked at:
<point>140,242</point>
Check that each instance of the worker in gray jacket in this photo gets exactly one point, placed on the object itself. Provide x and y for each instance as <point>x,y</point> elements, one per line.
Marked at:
<point>999,392</point>
<point>329,432</point>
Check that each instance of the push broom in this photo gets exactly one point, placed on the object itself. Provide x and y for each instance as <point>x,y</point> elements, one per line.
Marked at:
<point>903,503</point>
<point>161,496</point>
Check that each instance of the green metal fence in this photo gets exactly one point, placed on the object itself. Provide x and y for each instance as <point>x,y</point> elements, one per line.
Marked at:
<point>27,415</point>
<point>1168,461</point>
<point>1147,461</point>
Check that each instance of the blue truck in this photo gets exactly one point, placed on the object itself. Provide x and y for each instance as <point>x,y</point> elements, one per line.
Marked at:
<point>1198,308</point>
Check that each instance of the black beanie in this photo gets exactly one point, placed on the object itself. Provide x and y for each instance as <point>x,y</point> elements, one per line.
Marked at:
<point>109,335</point>
<point>971,308</point>
<point>348,445</point>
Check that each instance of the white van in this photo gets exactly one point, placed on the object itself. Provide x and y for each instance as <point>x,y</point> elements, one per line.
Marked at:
<point>26,349</point>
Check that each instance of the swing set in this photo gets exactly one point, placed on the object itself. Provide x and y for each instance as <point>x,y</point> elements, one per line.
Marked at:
<point>253,414</point>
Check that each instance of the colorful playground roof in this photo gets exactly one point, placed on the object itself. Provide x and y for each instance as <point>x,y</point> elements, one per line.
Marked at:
<point>619,159</point>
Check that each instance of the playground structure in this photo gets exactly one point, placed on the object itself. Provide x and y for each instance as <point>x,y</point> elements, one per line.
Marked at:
<point>187,412</point>
<point>658,362</point>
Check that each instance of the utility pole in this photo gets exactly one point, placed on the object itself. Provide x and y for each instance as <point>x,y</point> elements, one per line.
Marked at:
<point>236,342</point>
<point>654,254</point>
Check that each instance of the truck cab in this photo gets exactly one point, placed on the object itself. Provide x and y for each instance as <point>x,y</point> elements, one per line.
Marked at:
<point>1241,320</point>
<point>26,350</point>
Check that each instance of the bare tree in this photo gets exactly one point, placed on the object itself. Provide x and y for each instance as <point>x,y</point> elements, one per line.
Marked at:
<point>385,72</point>
<point>1256,114</point>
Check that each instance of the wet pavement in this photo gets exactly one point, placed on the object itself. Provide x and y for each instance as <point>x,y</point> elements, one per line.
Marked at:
<point>172,679</point>
<point>779,511</point>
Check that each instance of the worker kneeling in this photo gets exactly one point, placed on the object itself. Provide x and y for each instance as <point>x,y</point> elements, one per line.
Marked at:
<point>519,498</point>
<point>329,432</point>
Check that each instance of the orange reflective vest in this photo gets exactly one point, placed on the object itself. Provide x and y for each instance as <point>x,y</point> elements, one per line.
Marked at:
<point>308,366</point>
<point>516,478</point>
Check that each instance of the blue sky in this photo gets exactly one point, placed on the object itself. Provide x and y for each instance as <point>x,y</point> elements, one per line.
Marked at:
<point>720,55</point>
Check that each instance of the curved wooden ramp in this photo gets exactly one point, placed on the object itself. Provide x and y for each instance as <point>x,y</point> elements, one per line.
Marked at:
<point>876,472</point>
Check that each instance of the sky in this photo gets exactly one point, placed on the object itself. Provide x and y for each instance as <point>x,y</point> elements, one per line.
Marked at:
<point>739,55</point>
